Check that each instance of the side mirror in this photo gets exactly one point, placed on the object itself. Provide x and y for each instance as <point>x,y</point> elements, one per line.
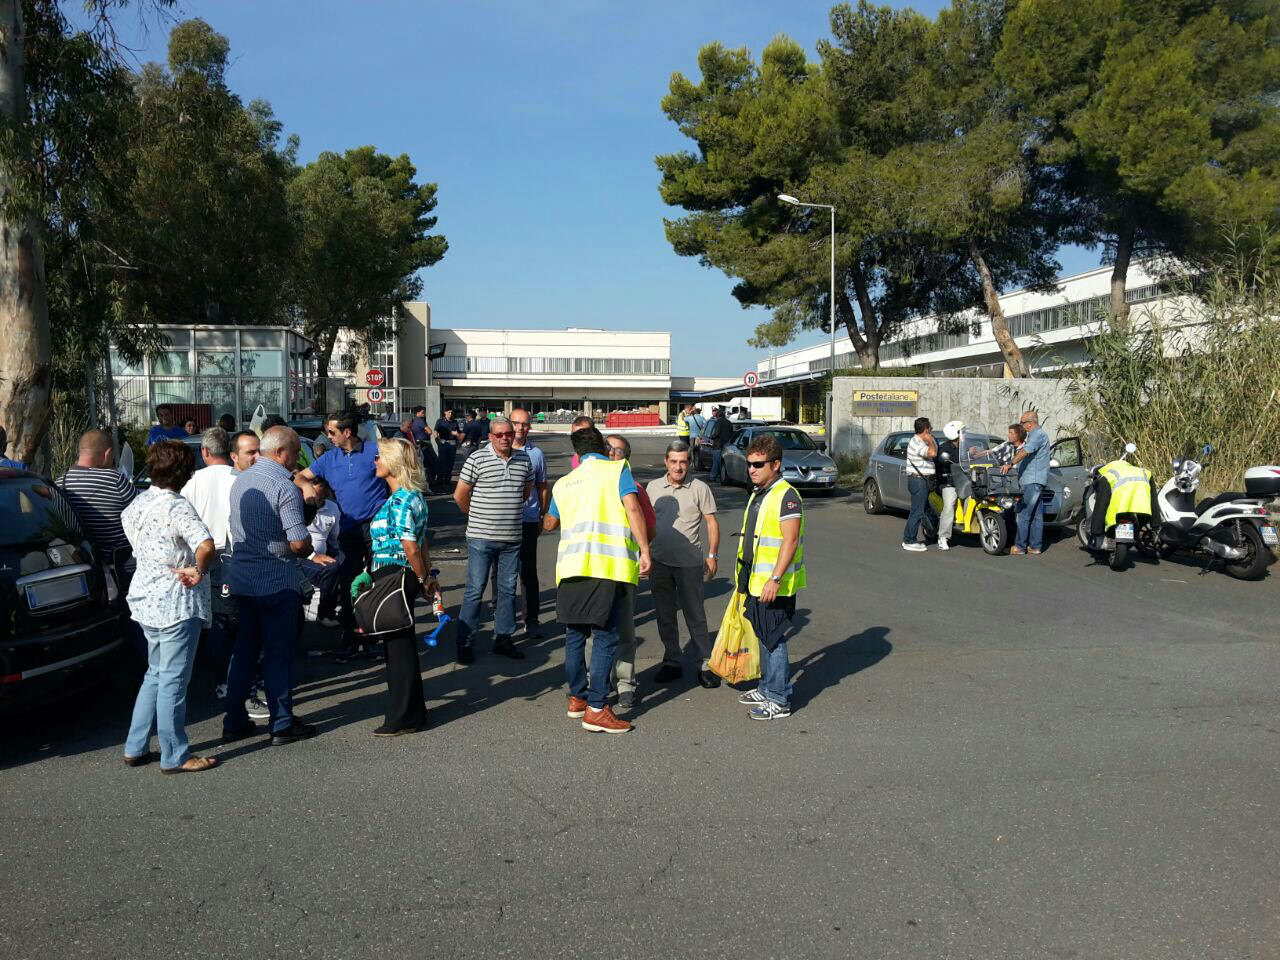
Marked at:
<point>1053,462</point>
<point>1130,448</point>
<point>822,445</point>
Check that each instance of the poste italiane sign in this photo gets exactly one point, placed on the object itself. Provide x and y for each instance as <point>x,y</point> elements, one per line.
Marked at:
<point>884,403</point>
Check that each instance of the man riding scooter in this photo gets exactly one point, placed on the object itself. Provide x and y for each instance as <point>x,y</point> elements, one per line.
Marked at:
<point>1123,494</point>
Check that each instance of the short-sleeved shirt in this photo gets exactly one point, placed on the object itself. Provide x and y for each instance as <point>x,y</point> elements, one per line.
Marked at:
<point>324,528</point>
<point>402,517</point>
<point>626,484</point>
<point>158,432</point>
<point>679,509</point>
<point>164,530</point>
<point>266,514</point>
<point>420,433</point>
<point>209,491</point>
<point>445,430</point>
<point>99,496</point>
<point>12,464</point>
<point>791,507</point>
<point>1034,467</point>
<point>497,493</point>
<point>533,505</point>
<point>919,463</point>
<point>473,432</point>
<point>354,481</point>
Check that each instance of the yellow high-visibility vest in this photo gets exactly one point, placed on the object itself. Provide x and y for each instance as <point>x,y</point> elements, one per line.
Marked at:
<point>768,544</point>
<point>595,534</point>
<point>682,425</point>
<point>1130,489</point>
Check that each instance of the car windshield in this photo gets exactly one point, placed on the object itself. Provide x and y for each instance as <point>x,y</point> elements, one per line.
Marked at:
<point>789,439</point>
<point>34,512</point>
<point>976,444</point>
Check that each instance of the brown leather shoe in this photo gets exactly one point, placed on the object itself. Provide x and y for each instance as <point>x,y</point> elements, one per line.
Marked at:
<point>603,721</point>
<point>577,707</point>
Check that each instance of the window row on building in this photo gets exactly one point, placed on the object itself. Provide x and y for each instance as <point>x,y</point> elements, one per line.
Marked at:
<point>443,366</point>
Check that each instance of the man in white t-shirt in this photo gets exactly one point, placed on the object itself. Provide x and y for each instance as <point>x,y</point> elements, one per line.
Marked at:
<point>921,450</point>
<point>209,491</point>
<point>321,568</point>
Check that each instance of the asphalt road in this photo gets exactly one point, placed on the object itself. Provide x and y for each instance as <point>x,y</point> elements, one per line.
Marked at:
<point>989,758</point>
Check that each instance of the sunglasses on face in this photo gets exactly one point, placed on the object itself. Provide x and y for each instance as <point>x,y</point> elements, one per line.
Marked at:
<point>758,464</point>
<point>500,434</point>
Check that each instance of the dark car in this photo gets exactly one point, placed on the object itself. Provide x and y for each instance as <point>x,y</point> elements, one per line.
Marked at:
<point>61,616</point>
<point>805,463</point>
<point>702,442</point>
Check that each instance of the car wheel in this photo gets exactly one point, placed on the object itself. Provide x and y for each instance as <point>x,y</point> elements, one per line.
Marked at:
<point>871,501</point>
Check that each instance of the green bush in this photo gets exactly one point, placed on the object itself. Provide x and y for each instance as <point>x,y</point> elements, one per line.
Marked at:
<point>1209,373</point>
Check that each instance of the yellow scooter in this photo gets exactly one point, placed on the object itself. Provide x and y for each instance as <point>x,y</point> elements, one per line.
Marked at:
<point>986,499</point>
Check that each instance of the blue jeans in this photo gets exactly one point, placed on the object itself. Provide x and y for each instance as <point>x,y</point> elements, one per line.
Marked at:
<point>327,580</point>
<point>481,555</point>
<point>775,674</point>
<point>919,491</point>
<point>592,683</point>
<point>717,460</point>
<point>162,699</point>
<point>266,628</point>
<point>1031,517</point>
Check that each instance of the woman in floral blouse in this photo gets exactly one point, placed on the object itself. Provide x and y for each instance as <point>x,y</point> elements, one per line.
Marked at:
<point>399,535</point>
<point>169,599</point>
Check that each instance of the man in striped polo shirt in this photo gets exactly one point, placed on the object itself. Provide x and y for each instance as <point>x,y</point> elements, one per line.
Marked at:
<point>493,485</point>
<point>99,493</point>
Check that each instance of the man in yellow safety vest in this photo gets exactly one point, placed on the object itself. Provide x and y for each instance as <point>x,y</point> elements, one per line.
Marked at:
<point>682,422</point>
<point>604,550</point>
<point>770,573</point>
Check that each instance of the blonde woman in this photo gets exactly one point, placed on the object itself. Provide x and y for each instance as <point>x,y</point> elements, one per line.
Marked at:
<point>399,538</point>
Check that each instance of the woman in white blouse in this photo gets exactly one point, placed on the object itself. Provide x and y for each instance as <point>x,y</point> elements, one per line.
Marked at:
<point>169,599</point>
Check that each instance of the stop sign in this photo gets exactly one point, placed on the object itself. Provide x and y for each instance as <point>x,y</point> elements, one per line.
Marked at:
<point>374,377</point>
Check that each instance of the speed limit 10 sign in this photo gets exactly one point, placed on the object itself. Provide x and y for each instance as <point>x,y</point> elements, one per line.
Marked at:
<point>375,395</point>
<point>751,379</point>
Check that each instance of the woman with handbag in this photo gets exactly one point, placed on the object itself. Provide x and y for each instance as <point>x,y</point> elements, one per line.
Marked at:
<point>400,555</point>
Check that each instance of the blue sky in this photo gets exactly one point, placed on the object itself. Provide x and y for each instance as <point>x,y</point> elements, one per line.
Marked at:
<point>540,122</point>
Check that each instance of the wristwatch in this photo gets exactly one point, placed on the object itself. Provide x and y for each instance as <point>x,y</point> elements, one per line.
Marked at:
<point>776,579</point>
<point>712,556</point>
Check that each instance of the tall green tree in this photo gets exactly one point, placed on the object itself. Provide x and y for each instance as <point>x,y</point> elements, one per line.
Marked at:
<point>1160,117</point>
<point>363,231</point>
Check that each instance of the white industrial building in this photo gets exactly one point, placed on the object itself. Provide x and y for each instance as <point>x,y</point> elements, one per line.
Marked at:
<point>573,370</point>
<point>1050,328</point>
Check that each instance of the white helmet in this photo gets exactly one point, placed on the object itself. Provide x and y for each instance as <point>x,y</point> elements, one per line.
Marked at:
<point>953,430</point>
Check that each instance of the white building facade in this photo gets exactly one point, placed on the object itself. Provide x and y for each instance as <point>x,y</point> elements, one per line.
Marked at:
<point>553,372</point>
<point>1051,329</point>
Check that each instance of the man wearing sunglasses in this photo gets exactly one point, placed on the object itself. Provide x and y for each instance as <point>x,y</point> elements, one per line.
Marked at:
<point>1032,464</point>
<point>770,574</point>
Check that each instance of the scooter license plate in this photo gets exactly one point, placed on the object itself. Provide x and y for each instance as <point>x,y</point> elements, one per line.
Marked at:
<point>1124,532</point>
<point>1269,536</point>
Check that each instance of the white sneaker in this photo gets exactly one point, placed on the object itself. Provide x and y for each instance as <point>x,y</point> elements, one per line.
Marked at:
<point>751,698</point>
<point>942,544</point>
<point>257,708</point>
<point>220,691</point>
<point>914,547</point>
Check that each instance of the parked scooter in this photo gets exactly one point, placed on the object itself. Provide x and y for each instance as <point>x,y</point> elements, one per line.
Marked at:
<point>1126,529</point>
<point>1232,527</point>
<point>986,499</point>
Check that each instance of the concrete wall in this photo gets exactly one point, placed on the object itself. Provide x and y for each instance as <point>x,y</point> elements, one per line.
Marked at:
<point>993,404</point>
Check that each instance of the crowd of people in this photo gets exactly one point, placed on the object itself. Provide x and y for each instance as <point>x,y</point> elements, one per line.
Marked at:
<point>227,552</point>
<point>930,463</point>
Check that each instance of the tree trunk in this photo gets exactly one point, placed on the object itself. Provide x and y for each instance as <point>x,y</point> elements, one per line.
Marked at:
<point>1120,274</point>
<point>327,339</point>
<point>25,352</point>
<point>1013,357</point>
<point>868,346</point>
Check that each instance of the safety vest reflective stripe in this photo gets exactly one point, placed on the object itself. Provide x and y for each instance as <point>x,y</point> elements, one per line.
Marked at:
<point>682,425</point>
<point>1130,489</point>
<point>595,539</point>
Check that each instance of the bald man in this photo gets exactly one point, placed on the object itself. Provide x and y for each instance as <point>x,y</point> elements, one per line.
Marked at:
<point>99,493</point>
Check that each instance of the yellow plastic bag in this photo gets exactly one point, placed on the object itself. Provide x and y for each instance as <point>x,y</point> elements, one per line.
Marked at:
<point>736,655</point>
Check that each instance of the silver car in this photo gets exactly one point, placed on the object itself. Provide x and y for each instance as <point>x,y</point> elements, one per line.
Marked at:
<point>884,482</point>
<point>805,465</point>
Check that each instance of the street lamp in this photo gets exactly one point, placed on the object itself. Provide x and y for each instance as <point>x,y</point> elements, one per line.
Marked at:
<point>787,198</point>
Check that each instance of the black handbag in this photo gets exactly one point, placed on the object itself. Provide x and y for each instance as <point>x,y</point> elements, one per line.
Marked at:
<point>387,605</point>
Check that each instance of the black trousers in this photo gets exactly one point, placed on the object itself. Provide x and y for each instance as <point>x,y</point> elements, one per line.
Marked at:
<point>406,708</point>
<point>356,547</point>
<point>528,573</point>
<point>444,462</point>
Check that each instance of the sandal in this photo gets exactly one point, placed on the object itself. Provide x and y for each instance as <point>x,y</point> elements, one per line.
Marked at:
<point>138,761</point>
<point>194,764</point>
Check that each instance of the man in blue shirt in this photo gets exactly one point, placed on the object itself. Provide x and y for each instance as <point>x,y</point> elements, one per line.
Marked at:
<point>4,446</point>
<point>1032,461</point>
<point>421,438</point>
<point>448,433</point>
<point>350,469</point>
<point>268,536</point>
<point>534,507</point>
<point>166,429</point>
